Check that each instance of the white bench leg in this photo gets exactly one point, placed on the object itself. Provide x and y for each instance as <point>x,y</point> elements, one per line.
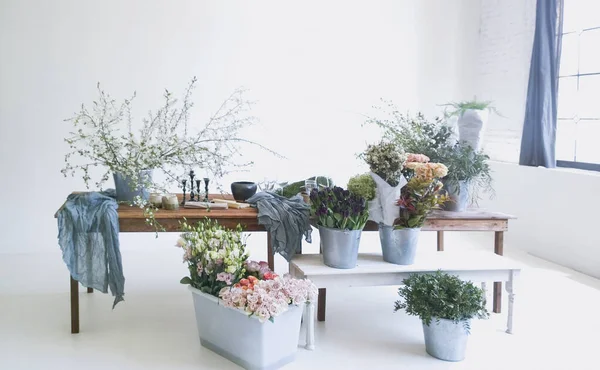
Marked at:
<point>510,288</point>
<point>309,319</point>
<point>484,288</point>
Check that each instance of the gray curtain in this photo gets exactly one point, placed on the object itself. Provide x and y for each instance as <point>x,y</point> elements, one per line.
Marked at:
<point>539,129</point>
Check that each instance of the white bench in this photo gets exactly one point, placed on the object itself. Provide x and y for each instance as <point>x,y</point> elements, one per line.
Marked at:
<point>371,270</point>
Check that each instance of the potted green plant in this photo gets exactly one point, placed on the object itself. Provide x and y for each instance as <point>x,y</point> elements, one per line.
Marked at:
<point>417,198</point>
<point>385,160</point>
<point>469,173</point>
<point>340,217</point>
<point>244,311</point>
<point>105,142</point>
<point>471,119</point>
<point>446,305</point>
<point>364,186</point>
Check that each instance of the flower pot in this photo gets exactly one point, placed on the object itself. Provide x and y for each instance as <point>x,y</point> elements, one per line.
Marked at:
<point>471,125</point>
<point>386,196</point>
<point>126,192</point>
<point>339,247</point>
<point>459,196</point>
<point>445,339</point>
<point>399,246</point>
<point>243,190</point>
<point>245,340</point>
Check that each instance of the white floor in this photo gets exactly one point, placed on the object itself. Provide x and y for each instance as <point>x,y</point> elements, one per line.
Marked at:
<point>557,321</point>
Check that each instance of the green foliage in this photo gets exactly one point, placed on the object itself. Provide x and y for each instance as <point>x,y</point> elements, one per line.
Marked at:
<point>289,190</point>
<point>417,198</point>
<point>337,208</point>
<point>459,108</point>
<point>443,296</point>
<point>363,185</point>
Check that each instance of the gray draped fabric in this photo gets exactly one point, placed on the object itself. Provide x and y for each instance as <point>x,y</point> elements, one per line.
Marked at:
<point>539,129</point>
<point>286,219</point>
<point>88,235</point>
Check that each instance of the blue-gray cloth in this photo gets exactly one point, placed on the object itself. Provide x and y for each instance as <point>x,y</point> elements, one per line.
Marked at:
<point>88,235</point>
<point>286,219</point>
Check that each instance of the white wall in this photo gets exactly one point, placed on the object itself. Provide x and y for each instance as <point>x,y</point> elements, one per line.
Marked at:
<point>556,210</point>
<point>315,67</point>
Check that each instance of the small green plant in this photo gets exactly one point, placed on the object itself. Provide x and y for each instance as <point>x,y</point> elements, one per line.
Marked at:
<point>459,108</point>
<point>441,296</point>
<point>288,190</point>
<point>337,208</point>
<point>363,185</point>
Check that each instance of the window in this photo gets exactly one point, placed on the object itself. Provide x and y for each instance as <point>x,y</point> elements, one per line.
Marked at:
<point>578,126</point>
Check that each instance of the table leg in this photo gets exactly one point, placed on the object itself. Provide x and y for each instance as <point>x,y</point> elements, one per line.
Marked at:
<point>440,241</point>
<point>321,303</point>
<point>74,306</point>
<point>90,290</point>
<point>309,319</point>
<point>498,249</point>
<point>270,255</point>
<point>510,289</point>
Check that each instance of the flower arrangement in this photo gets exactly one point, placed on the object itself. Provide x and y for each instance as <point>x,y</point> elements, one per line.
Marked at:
<point>363,185</point>
<point>337,208</point>
<point>268,297</point>
<point>441,296</point>
<point>421,194</point>
<point>385,159</point>
<point>215,255</point>
<point>219,266</point>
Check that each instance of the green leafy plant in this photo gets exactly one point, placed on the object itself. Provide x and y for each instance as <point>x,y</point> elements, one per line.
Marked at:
<point>466,164</point>
<point>337,208</point>
<point>363,185</point>
<point>290,189</point>
<point>459,108</point>
<point>216,256</point>
<point>441,296</point>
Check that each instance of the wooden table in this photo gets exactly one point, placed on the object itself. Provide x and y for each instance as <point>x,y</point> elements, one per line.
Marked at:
<point>371,270</point>
<point>440,221</point>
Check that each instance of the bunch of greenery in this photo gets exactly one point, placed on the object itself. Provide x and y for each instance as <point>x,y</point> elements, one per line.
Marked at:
<point>290,189</point>
<point>465,164</point>
<point>215,255</point>
<point>337,208</point>
<point>363,185</point>
<point>459,108</point>
<point>441,296</point>
<point>385,160</point>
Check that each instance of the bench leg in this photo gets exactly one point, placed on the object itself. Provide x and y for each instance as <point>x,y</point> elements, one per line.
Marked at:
<point>510,289</point>
<point>309,319</point>
<point>74,306</point>
<point>440,241</point>
<point>498,249</point>
<point>270,255</point>
<point>322,301</point>
<point>90,290</point>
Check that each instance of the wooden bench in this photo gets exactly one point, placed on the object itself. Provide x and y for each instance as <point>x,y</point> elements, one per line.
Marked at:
<point>480,267</point>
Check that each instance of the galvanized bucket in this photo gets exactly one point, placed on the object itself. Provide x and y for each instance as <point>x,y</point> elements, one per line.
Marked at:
<point>124,190</point>
<point>459,196</point>
<point>399,246</point>
<point>340,247</point>
<point>445,339</point>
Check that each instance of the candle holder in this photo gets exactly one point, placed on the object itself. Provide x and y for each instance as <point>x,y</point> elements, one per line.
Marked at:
<point>206,189</point>
<point>183,183</point>
<point>198,188</point>
<point>192,194</point>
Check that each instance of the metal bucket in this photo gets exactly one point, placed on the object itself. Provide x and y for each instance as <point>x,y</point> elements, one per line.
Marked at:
<point>340,247</point>
<point>445,339</point>
<point>459,196</point>
<point>399,246</point>
<point>126,191</point>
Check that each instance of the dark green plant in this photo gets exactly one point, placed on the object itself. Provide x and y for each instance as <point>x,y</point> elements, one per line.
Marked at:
<point>289,190</point>
<point>337,208</point>
<point>363,185</point>
<point>459,108</point>
<point>441,296</point>
<point>466,164</point>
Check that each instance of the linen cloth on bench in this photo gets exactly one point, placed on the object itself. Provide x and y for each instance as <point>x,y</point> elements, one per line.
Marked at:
<point>88,235</point>
<point>286,219</point>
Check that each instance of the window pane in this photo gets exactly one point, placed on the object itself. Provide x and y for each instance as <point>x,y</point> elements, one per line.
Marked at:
<point>569,55</point>
<point>567,97</point>
<point>588,149</point>
<point>589,97</point>
<point>589,51</point>
<point>565,140</point>
<point>581,14</point>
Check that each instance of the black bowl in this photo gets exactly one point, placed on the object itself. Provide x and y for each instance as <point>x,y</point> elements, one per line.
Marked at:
<point>242,190</point>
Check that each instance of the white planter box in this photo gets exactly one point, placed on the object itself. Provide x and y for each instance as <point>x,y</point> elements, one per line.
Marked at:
<point>245,340</point>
